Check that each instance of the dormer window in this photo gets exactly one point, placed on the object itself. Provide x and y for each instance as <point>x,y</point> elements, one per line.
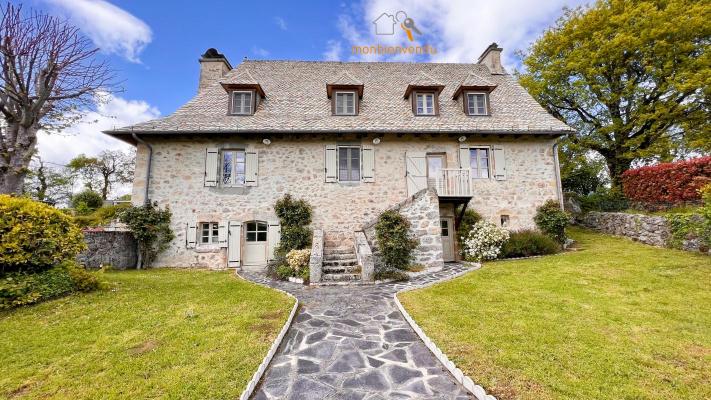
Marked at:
<point>243,102</point>
<point>345,103</point>
<point>477,103</point>
<point>425,103</point>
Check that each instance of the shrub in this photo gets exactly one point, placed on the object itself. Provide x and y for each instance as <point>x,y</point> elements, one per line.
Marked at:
<point>87,200</point>
<point>293,238</point>
<point>150,227</point>
<point>394,274</point>
<point>551,220</point>
<point>22,288</point>
<point>584,179</point>
<point>470,218</point>
<point>101,216</point>
<point>526,243</point>
<point>294,217</point>
<point>609,200</point>
<point>394,241</point>
<point>293,212</point>
<point>284,272</point>
<point>34,236</point>
<point>685,226</point>
<point>667,184</point>
<point>484,241</point>
<point>298,260</point>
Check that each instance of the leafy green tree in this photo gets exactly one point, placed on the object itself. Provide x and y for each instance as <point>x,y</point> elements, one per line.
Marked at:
<point>633,77</point>
<point>48,184</point>
<point>103,172</point>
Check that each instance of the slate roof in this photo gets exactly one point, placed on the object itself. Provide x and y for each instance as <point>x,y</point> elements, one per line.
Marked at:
<point>296,101</point>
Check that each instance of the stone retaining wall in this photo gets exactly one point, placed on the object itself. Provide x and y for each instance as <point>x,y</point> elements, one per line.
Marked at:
<point>422,210</point>
<point>115,248</point>
<point>649,229</point>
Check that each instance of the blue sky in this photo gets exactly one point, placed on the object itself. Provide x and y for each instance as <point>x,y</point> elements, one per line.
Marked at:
<point>154,45</point>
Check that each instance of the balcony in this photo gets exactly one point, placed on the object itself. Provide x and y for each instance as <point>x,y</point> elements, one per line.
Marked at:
<point>452,183</point>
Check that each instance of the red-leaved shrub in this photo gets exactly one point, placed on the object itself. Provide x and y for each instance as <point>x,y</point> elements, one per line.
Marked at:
<point>668,183</point>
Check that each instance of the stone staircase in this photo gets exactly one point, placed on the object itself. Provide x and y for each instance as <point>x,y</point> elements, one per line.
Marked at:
<point>340,264</point>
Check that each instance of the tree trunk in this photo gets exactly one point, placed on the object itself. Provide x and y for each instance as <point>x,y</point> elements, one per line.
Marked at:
<point>105,188</point>
<point>617,165</point>
<point>17,146</point>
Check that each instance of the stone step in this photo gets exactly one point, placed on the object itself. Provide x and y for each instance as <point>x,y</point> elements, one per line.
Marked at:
<point>346,262</point>
<point>339,256</point>
<point>340,277</point>
<point>338,250</point>
<point>341,269</point>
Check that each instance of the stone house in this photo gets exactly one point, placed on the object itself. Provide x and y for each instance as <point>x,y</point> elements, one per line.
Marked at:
<point>353,139</point>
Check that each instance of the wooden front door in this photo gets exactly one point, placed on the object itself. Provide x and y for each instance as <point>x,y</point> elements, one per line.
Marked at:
<point>255,243</point>
<point>447,225</point>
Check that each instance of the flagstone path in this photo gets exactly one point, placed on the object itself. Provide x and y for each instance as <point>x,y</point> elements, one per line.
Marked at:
<point>352,343</point>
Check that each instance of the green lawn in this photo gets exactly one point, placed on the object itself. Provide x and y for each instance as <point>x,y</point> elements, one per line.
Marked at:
<point>154,334</point>
<point>614,320</point>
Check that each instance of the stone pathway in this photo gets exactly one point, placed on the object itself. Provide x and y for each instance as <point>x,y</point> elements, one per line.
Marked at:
<point>351,342</point>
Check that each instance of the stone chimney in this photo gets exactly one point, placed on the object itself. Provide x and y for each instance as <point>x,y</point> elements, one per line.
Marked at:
<point>491,57</point>
<point>213,66</point>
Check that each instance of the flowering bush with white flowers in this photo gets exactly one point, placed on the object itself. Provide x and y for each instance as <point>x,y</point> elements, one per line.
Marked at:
<point>484,241</point>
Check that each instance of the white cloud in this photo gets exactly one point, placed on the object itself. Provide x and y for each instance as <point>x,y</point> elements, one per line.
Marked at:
<point>111,28</point>
<point>85,136</point>
<point>258,51</point>
<point>333,51</point>
<point>281,23</point>
<point>460,30</point>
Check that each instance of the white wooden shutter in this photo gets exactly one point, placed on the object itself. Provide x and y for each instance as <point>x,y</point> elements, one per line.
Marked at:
<point>416,167</point>
<point>190,235</point>
<point>464,156</point>
<point>499,163</point>
<point>368,164</point>
<point>251,168</point>
<point>274,236</point>
<point>222,234</point>
<point>211,160</point>
<point>234,243</point>
<point>331,167</point>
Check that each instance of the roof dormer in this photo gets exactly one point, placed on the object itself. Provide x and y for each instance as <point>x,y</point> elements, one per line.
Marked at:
<point>245,93</point>
<point>423,93</point>
<point>345,93</point>
<point>475,90</point>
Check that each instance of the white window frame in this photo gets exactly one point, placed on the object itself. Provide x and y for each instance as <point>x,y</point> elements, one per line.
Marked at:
<point>343,93</point>
<point>256,231</point>
<point>475,172</point>
<point>233,109</point>
<point>350,169</point>
<point>233,168</point>
<point>213,233</point>
<point>424,96</point>
<point>486,103</point>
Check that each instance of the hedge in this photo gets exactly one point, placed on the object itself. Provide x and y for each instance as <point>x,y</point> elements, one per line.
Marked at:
<point>667,184</point>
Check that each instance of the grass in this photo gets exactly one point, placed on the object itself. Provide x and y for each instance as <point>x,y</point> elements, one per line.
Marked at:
<point>155,334</point>
<point>613,320</point>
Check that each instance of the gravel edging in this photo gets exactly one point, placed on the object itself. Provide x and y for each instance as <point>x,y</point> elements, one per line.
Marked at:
<point>459,376</point>
<point>275,345</point>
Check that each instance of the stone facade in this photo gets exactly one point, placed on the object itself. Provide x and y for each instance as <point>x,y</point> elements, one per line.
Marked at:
<point>296,166</point>
<point>422,211</point>
<point>642,228</point>
<point>114,248</point>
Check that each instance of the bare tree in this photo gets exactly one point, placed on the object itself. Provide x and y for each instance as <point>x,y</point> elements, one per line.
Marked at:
<point>103,172</point>
<point>48,71</point>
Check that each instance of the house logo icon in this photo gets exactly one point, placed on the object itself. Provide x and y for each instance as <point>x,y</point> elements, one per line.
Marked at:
<point>385,24</point>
